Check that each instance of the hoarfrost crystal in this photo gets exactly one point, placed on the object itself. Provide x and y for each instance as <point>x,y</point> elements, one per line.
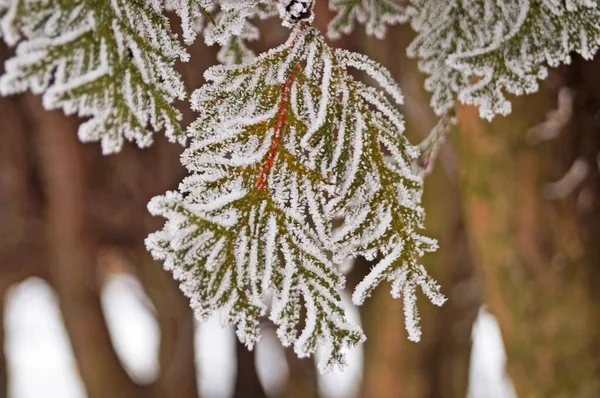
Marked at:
<point>111,62</point>
<point>232,28</point>
<point>192,14</point>
<point>475,51</point>
<point>376,14</point>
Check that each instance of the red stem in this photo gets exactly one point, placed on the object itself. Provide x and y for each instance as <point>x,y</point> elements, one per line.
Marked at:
<point>281,120</point>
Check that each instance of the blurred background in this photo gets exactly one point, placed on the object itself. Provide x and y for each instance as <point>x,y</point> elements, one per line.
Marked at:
<point>514,204</point>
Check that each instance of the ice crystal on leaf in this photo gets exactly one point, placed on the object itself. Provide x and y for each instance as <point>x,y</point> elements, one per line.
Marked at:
<point>376,14</point>
<point>232,28</point>
<point>453,27</point>
<point>379,192</point>
<point>543,32</point>
<point>230,21</point>
<point>285,143</point>
<point>192,14</point>
<point>477,50</point>
<point>109,61</point>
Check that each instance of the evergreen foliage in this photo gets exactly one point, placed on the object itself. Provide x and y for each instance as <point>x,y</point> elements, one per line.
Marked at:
<point>476,50</point>
<point>192,14</point>
<point>447,28</point>
<point>375,14</point>
<point>232,28</point>
<point>111,61</point>
<point>288,143</point>
<point>283,144</point>
<point>540,32</point>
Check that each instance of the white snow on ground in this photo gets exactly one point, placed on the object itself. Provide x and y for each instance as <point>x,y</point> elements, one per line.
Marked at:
<point>487,377</point>
<point>271,365</point>
<point>40,361</point>
<point>215,359</point>
<point>133,328</point>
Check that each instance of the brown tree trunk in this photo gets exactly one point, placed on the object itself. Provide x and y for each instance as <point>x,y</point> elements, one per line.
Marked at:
<point>22,238</point>
<point>531,254</point>
<point>73,262</point>
<point>302,379</point>
<point>177,357</point>
<point>247,384</point>
<point>3,370</point>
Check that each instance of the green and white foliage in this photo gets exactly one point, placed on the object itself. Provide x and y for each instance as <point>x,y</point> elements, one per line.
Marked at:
<point>8,9</point>
<point>454,27</point>
<point>375,14</point>
<point>379,191</point>
<point>475,51</point>
<point>235,50</point>
<point>232,28</point>
<point>230,20</point>
<point>285,143</point>
<point>108,61</point>
<point>193,14</point>
<point>543,32</point>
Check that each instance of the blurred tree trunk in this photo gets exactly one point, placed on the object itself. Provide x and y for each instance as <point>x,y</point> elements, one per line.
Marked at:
<point>247,384</point>
<point>95,202</point>
<point>538,258</point>
<point>446,346</point>
<point>120,187</point>
<point>22,239</point>
<point>73,272</point>
<point>302,378</point>
<point>177,357</point>
<point>3,370</point>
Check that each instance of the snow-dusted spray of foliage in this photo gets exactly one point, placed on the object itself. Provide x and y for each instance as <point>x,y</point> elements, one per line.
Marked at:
<point>476,50</point>
<point>539,32</point>
<point>375,14</point>
<point>287,142</point>
<point>232,28</point>
<point>111,61</point>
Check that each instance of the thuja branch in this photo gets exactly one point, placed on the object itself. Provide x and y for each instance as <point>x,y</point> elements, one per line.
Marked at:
<point>277,152</point>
